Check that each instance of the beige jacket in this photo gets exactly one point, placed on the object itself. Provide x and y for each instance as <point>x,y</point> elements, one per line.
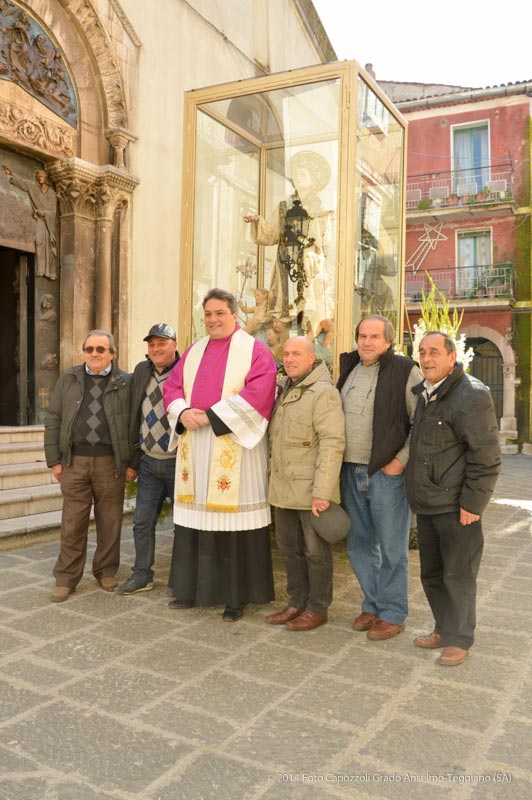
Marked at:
<point>307,442</point>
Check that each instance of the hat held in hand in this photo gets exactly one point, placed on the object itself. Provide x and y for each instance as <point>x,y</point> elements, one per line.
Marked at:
<point>332,524</point>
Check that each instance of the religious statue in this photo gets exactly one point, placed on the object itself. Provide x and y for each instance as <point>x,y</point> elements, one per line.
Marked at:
<point>300,224</point>
<point>43,201</point>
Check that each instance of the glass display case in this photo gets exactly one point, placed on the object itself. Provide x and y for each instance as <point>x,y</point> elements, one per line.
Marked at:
<point>293,200</point>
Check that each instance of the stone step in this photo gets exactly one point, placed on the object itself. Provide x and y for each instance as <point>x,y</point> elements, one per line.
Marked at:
<point>16,476</point>
<point>22,433</point>
<point>30,500</point>
<point>21,452</point>
<point>18,532</point>
<point>509,449</point>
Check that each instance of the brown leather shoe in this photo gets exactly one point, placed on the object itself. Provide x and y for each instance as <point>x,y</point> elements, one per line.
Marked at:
<point>365,621</point>
<point>60,594</point>
<point>284,616</point>
<point>452,656</point>
<point>430,641</point>
<point>307,621</point>
<point>384,630</point>
<point>108,584</point>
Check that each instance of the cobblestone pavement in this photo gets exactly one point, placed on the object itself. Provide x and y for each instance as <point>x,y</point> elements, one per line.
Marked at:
<point>107,696</point>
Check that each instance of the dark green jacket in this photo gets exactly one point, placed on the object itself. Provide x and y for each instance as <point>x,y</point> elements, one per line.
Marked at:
<point>64,408</point>
<point>455,455</point>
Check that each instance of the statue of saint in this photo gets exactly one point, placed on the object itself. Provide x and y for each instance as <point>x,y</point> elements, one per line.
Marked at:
<point>43,201</point>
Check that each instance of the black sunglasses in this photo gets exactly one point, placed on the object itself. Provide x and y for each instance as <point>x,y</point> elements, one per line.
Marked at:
<point>99,349</point>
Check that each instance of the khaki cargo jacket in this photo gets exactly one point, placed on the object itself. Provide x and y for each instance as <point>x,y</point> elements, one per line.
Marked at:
<point>307,438</point>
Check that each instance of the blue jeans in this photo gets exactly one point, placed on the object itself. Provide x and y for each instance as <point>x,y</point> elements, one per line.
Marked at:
<point>377,542</point>
<point>155,483</point>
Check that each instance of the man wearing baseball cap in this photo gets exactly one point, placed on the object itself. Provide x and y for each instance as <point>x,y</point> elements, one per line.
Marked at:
<point>151,462</point>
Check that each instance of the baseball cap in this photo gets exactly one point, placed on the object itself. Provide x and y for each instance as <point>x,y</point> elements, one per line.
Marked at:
<point>162,330</point>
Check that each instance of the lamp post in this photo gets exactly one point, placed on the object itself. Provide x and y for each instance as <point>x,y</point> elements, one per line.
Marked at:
<point>294,241</point>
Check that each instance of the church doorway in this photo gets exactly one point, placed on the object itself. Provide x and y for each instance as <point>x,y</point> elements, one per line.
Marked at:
<point>487,367</point>
<point>17,354</point>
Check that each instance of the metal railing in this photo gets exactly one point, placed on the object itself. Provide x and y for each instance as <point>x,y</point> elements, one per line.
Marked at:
<point>493,183</point>
<point>489,281</point>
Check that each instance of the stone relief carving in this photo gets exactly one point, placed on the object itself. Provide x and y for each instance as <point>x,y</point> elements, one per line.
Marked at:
<point>49,361</point>
<point>43,201</point>
<point>35,131</point>
<point>85,15</point>
<point>29,58</point>
<point>48,312</point>
<point>86,190</point>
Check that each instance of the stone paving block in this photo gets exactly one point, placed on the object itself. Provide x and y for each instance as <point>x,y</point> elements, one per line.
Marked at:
<point>15,701</point>
<point>179,660</point>
<point>523,700</point>
<point>10,642</point>
<point>331,638</point>
<point>175,717</point>
<point>13,579</point>
<point>235,698</point>
<point>512,746</point>
<point>34,673</point>
<point>213,777</point>
<point>40,552</point>
<point>369,663</point>
<point>376,781</point>
<point>29,598</point>
<point>49,788</point>
<point>290,743</point>
<point>471,708</point>
<point>118,689</point>
<point>500,789</point>
<point>12,763</point>
<point>93,747</point>
<point>101,605</point>
<point>52,621</point>
<point>479,669</point>
<point>227,636</point>
<point>339,702</point>
<point>294,789</point>
<point>421,748</point>
<point>133,627</point>
<point>278,664</point>
<point>84,650</point>
<point>491,609</point>
<point>38,569</point>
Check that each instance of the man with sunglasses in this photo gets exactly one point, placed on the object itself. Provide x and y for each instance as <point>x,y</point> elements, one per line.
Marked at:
<point>86,444</point>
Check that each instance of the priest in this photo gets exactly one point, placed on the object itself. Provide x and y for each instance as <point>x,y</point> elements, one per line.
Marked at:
<point>219,398</point>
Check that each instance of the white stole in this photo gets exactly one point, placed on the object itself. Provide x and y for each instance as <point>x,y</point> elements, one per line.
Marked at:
<point>224,478</point>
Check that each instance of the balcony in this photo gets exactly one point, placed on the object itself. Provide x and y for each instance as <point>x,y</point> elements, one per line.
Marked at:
<point>488,190</point>
<point>488,285</point>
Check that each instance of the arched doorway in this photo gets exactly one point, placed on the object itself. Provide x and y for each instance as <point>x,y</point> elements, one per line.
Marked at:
<point>487,366</point>
<point>64,236</point>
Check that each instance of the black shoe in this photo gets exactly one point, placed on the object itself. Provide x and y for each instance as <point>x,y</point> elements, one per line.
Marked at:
<point>232,614</point>
<point>178,604</point>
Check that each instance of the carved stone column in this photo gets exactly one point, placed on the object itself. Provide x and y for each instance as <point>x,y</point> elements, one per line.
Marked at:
<point>88,197</point>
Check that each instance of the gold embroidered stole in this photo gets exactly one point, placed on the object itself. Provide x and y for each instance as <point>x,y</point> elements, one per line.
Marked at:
<point>224,475</point>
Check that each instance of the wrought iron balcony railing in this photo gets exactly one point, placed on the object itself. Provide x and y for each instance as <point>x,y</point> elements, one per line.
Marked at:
<point>489,281</point>
<point>493,184</point>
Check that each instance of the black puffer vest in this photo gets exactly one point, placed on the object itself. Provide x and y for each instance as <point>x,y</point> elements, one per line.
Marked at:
<point>391,424</point>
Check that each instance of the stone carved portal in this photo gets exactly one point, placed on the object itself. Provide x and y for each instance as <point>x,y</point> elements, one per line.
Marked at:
<point>63,220</point>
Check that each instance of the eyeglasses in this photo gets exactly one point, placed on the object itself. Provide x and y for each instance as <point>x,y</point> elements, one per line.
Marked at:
<point>99,349</point>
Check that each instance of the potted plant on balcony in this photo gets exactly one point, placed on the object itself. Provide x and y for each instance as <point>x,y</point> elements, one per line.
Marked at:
<point>423,205</point>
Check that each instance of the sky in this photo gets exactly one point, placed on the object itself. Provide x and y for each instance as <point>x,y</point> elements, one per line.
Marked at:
<point>458,42</point>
